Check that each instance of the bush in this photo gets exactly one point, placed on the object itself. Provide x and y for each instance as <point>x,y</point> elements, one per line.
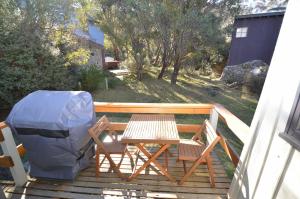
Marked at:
<point>113,82</point>
<point>91,77</point>
<point>15,83</point>
<point>29,59</point>
<point>26,68</point>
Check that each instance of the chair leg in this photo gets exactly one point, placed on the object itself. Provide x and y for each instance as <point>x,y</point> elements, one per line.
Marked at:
<point>210,171</point>
<point>97,160</point>
<point>102,161</point>
<point>129,155</point>
<point>131,159</point>
<point>184,166</point>
<point>191,170</point>
<point>118,165</point>
<point>122,157</point>
<point>114,167</point>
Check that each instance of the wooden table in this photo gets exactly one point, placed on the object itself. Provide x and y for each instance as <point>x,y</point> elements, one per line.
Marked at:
<point>145,129</point>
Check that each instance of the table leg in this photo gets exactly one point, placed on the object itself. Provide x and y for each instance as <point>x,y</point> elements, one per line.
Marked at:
<point>150,166</point>
<point>168,151</point>
<point>152,158</point>
<point>148,162</point>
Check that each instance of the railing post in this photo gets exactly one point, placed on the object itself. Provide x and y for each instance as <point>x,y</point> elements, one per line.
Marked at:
<point>214,116</point>
<point>9,148</point>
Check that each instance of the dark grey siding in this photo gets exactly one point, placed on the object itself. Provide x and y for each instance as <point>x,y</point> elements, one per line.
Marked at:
<point>260,41</point>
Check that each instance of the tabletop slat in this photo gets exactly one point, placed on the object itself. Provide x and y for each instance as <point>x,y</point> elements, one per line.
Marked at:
<point>151,128</point>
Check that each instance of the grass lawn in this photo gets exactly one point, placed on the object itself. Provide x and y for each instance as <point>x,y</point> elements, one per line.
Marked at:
<point>191,88</point>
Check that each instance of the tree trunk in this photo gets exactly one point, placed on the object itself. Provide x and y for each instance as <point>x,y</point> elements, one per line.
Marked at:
<point>139,68</point>
<point>164,66</point>
<point>155,62</point>
<point>162,71</point>
<point>116,53</point>
<point>149,52</point>
<point>176,67</point>
<point>139,73</point>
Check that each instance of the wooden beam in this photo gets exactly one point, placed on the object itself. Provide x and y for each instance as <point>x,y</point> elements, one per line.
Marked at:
<point>6,161</point>
<point>117,126</point>
<point>105,107</point>
<point>182,128</point>
<point>10,149</point>
<point>234,157</point>
<point>237,126</point>
<point>189,128</point>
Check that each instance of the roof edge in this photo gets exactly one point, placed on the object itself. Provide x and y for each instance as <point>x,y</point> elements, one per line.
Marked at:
<point>268,14</point>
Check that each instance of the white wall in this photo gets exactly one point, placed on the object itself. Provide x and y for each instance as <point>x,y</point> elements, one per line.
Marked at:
<point>269,166</point>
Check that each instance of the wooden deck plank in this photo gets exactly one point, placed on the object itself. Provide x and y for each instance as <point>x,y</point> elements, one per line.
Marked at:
<point>94,187</point>
<point>108,193</point>
<point>154,182</point>
<point>21,195</point>
<point>173,170</point>
<point>108,185</point>
<point>177,166</point>
<point>48,193</point>
<point>178,174</point>
<point>193,178</point>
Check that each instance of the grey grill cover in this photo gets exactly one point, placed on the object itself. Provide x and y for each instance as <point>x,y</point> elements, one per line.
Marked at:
<point>53,126</point>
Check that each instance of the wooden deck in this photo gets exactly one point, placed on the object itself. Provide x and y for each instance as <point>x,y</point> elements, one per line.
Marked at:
<point>148,185</point>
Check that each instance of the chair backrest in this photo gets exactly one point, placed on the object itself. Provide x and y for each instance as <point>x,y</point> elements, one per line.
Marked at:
<point>198,134</point>
<point>211,134</point>
<point>212,137</point>
<point>95,131</point>
<point>98,128</point>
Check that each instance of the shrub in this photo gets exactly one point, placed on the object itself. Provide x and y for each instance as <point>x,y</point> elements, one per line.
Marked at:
<point>25,68</point>
<point>91,77</point>
<point>113,82</point>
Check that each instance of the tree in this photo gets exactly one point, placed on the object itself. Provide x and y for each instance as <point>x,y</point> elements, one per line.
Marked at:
<point>124,22</point>
<point>168,32</point>
<point>198,27</point>
<point>163,18</point>
<point>28,59</point>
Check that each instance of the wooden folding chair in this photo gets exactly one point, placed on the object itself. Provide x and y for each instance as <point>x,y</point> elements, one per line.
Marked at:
<point>114,147</point>
<point>198,152</point>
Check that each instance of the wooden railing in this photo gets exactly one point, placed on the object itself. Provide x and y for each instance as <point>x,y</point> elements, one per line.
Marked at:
<point>11,153</point>
<point>153,108</point>
<point>238,127</point>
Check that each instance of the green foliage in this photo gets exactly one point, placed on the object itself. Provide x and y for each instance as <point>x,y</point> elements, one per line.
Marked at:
<point>79,57</point>
<point>167,32</point>
<point>126,24</point>
<point>113,82</point>
<point>91,77</point>
<point>28,59</point>
<point>25,68</point>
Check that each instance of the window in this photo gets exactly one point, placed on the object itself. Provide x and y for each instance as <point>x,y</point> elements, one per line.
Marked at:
<point>241,32</point>
<point>292,131</point>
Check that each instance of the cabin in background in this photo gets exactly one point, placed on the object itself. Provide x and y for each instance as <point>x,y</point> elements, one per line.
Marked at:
<point>94,41</point>
<point>254,37</point>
